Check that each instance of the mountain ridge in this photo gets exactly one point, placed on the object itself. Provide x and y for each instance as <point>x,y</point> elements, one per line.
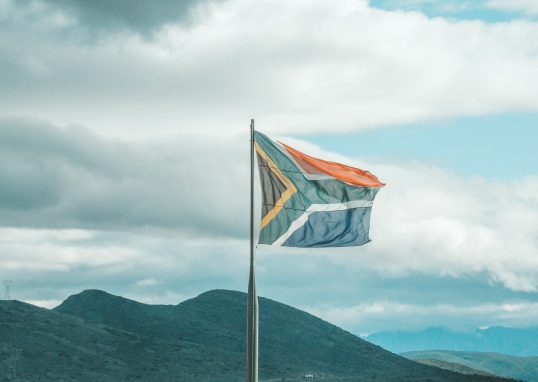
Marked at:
<point>499,339</point>
<point>95,336</point>
<point>524,368</point>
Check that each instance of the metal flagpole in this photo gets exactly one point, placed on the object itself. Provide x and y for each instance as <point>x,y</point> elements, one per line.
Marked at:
<point>252,308</point>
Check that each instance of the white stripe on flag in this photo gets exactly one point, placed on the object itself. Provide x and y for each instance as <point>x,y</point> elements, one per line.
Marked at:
<point>301,220</point>
<point>340,206</point>
<point>295,225</point>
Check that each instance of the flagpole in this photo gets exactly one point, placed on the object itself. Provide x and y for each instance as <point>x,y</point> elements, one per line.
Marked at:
<point>252,305</point>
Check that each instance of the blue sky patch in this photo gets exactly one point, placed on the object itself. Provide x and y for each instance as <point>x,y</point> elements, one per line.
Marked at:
<point>503,147</point>
<point>463,9</point>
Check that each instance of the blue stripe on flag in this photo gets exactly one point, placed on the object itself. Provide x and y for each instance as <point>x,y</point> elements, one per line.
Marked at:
<point>342,228</point>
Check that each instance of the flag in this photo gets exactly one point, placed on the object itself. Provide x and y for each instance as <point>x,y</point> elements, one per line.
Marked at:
<point>310,202</point>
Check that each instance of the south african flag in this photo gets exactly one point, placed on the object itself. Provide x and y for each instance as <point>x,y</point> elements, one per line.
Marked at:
<point>310,202</point>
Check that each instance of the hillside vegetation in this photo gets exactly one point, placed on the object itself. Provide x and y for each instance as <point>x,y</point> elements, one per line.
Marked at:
<point>523,368</point>
<point>94,336</point>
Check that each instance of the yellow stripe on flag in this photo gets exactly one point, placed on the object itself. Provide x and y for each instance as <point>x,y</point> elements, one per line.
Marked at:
<point>290,188</point>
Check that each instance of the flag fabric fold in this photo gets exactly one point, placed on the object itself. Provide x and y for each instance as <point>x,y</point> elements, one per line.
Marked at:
<point>310,202</point>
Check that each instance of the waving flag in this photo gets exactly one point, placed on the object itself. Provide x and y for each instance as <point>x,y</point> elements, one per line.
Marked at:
<point>310,202</point>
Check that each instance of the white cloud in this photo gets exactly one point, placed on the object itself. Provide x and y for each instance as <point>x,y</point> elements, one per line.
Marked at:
<point>49,304</point>
<point>147,282</point>
<point>434,221</point>
<point>297,66</point>
<point>381,315</point>
<point>426,221</point>
<point>529,7</point>
<point>114,213</point>
<point>65,178</point>
<point>13,235</point>
<point>159,297</point>
<point>51,254</point>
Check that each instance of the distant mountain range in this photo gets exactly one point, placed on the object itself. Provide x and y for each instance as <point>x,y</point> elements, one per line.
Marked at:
<point>523,368</point>
<point>94,336</point>
<point>511,341</point>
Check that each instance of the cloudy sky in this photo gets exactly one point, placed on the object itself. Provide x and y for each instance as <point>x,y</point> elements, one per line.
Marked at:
<point>124,151</point>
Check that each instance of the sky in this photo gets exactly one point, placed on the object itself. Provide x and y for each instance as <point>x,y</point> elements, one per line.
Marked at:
<point>124,153</point>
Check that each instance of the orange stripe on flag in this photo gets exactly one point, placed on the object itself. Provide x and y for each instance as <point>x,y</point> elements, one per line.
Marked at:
<point>339,171</point>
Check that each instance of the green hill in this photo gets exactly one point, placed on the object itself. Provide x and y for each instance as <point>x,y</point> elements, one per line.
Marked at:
<point>523,368</point>
<point>94,336</point>
<point>452,366</point>
<point>43,345</point>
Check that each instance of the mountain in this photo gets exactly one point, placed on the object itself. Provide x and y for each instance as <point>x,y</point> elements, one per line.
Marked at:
<point>523,368</point>
<point>43,345</point>
<point>452,366</point>
<point>95,336</point>
<point>511,341</point>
